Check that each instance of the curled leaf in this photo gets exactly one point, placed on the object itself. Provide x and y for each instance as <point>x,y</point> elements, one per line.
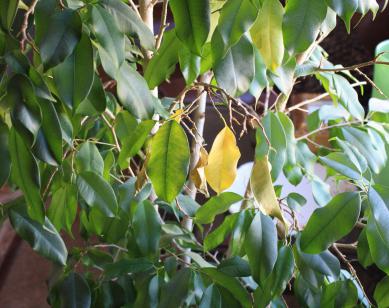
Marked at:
<point>197,175</point>
<point>222,161</point>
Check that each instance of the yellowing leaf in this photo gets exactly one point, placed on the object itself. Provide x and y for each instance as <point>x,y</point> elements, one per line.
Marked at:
<point>263,190</point>
<point>267,33</point>
<point>197,175</point>
<point>176,116</point>
<point>222,161</point>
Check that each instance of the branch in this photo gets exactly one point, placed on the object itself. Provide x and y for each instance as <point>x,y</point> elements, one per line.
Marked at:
<point>163,25</point>
<point>23,29</point>
<point>326,128</point>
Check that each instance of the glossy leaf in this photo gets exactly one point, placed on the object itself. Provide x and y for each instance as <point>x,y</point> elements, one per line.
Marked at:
<point>302,23</point>
<point>61,37</point>
<point>189,64</point>
<point>169,161</point>
<point>363,250</point>
<point>25,173</point>
<point>211,298</point>
<point>215,206</point>
<point>74,292</point>
<point>345,9</point>
<point>330,223</point>
<point>8,9</point>
<point>192,20</point>
<point>267,33</point>
<point>378,247</point>
<point>217,236</point>
<point>381,293</point>
<point>379,204</point>
<point>179,286</point>
<point>261,247</point>
<point>235,71</point>
<point>222,161</point>
<point>97,193</point>
<point>88,158</point>
<point>147,228</point>
<point>341,293</point>
<point>133,93</point>
<point>43,238</point>
<point>95,103</point>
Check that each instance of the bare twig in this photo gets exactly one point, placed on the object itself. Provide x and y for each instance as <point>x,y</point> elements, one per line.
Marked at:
<point>163,25</point>
<point>23,29</point>
<point>326,128</point>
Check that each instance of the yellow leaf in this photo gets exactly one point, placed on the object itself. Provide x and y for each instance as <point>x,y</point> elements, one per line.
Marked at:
<point>222,161</point>
<point>266,33</point>
<point>197,175</point>
<point>263,190</point>
<point>177,115</point>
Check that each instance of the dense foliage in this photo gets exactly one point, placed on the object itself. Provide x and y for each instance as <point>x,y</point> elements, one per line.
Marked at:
<point>96,154</point>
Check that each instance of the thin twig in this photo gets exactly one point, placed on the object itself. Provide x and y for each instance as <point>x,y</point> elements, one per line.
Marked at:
<point>163,25</point>
<point>326,128</point>
<point>23,29</point>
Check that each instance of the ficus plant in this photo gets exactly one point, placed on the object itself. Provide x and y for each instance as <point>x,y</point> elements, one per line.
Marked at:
<point>96,153</point>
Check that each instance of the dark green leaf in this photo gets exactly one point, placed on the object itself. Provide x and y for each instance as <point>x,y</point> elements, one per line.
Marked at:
<point>95,103</point>
<point>216,205</point>
<point>363,251</point>
<point>75,292</point>
<point>302,22</point>
<point>74,77</point>
<point>169,161</point>
<point>235,267</point>
<point>176,290</point>
<point>97,193</point>
<point>211,298</point>
<point>61,37</point>
<point>189,64</point>
<point>378,247</point>
<point>341,293</point>
<point>125,267</point>
<point>5,162</point>
<point>379,204</point>
<point>217,236</point>
<point>88,158</point>
<point>330,223</point>
<point>8,9</point>
<point>381,293</point>
<point>133,92</point>
<point>261,247</point>
<point>44,239</point>
<point>147,228</point>
<point>25,173</point>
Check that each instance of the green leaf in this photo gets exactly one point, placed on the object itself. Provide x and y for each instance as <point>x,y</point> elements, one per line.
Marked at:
<point>235,267</point>
<point>302,22</point>
<point>216,205</point>
<point>217,236</point>
<point>97,193</point>
<point>363,251</point>
<point>95,103</point>
<point>25,173</point>
<point>378,247</point>
<point>211,298</point>
<point>128,22</point>
<point>364,6</point>
<point>261,247</point>
<point>5,162</point>
<point>345,9</point>
<point>179,286</point>
<point>267,33</point>
<point>341,163</point>
<point>111,40</point>
<point>163,62</point>
<point>236,18</point>
<point>169,161</point>
<point>61,37</point>
<point>147,228</point>
<point>44,239</point>
<point>330,223</point>
<point>378,197</point>
<point>235,71</point>
<point>63,207</point>
<point>74,77</point>
<point>88,158</point>
<point>381,293</point>
<point>260,81</point>
<point>133,92</point>
<point>231,284</point>
<point>125,267</point>
<point>133,144</point>
<point>189,64</point>
<point>74,292</point>
<point>341,293</point>
<point>192,20</point>
<point>8,9</point>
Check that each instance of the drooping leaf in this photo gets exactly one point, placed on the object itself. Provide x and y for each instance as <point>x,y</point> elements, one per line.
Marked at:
<point>189,64</point>
<point>235,71</point>
<point>61,37</point>
<point>235,267</point>
<point>74,76</point>
<point>363,250</point>
<point>222,161</point>
<point>132,145</point>
<point>179,286</point>
<point>378,247</point>
<point>379,204</point>
<point>43,239</point>
<point>215,206</point>
<point>261,247</point>
<point>147,228</point>
<point>129,22</point>
<point>331,222</point>
<point>111,40</point>
<point>192,19</point>
<point>302,23</point>
<point>211,298</point>
<point>97,193</point>
<point>262,188</point>
<point>169,161</point>
<point>197,174</point>
<point>133,92</point>
<point>95,103</point>
<point>8,9</point>
<point>75,292</point>
<point>381,293</point>
<point>25,173</point>
<point>260,81</point>
<point>217,236</point>
<point>267,33</point>
<point>342,293</point>
<point>345,9</point>
<point>5,162</point>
